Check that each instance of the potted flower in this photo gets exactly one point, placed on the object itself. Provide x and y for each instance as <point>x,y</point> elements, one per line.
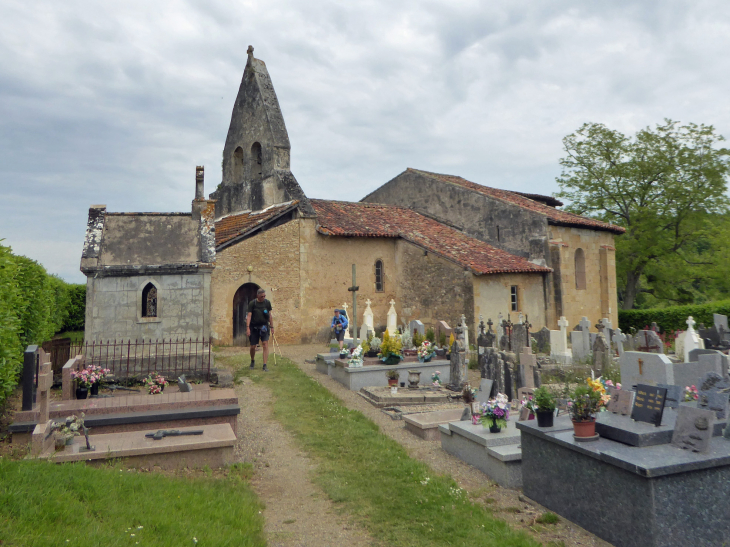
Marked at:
<point>544,406</point>
<point>67,430</point>
<point>691,393</point>
<point>375,344</point>
<point>436,379</point>
<point>529,405</point>
<point>155,383</point>
<point>98,374</point>
<point>495,413</point>
<point>84,380</point>
<point>392,375</point>
<point>585,401</point>
<point>390,349</point>
<point>425,352</point>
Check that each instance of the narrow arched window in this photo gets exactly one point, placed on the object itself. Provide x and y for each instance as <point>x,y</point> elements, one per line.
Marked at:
<point>238,164</point>
<point>149,301</point>
<point>256,161</point>
<point>379,276</point>
<point>580,269</point>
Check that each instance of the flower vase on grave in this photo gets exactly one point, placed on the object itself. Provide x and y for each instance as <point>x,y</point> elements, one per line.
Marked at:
<point>82,392</point>
<point>392,382</point>
<point>545,418</point>
<point>392,359</point>
<point>94,391</point>
<point>493,427</point>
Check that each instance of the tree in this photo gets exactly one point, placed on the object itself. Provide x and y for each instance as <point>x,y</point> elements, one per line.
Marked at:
<point>666,186</point>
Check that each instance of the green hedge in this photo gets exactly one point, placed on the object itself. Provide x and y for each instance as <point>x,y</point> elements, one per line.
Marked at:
<point>672,318</point>
<point>33,307</point>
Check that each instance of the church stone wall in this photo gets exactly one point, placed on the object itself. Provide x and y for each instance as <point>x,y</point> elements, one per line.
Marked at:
<point>114,304</point>
<point>274,258</point>
<point>492,295</point>
<point>432,288</point>
<point>599,298</point>
<point>521,232</point>
<point>327,273</point>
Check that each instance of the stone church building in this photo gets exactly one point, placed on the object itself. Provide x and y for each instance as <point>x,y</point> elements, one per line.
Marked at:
<point>439,245</point>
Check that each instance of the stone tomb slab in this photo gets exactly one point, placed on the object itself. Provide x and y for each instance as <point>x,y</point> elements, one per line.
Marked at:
<point>624,430</point>
<point>656,496</point>
<point>426,424</point>
<point>213,448</point>
<point>382,397</point>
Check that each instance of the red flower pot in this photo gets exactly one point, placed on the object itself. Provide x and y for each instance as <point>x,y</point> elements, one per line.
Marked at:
<point>392,382</point>
<point>585,429</point>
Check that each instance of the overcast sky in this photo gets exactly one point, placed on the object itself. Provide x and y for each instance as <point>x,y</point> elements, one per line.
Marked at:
<point>117,102</point>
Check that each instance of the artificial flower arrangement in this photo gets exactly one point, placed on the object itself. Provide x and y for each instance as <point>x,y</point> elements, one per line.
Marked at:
<point>89,376</point>
<point>691,393</point>
<point>155,383</point>
<point>69,428</point>
<point>530,404</point>
<point>495,412</point>
<point>356,357</point>
<point>468,395</point>
<point>426,351</point>
<point>436,379</point>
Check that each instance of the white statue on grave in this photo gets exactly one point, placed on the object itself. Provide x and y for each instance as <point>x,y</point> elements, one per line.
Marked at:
<point>348,336</point>
<point>392,319</point>
<point>465,330</point>
<point>691,339</point>
<point>367,321</point>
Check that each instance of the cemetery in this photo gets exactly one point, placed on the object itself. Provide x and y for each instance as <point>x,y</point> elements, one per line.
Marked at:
<point>657,436</point>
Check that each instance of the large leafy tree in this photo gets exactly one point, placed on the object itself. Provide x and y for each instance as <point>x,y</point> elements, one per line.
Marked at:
<point>666,186</point>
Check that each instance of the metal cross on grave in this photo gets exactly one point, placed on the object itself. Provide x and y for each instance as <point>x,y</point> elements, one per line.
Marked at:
<point>354,290</point>
<point>528,326</point>
<point>489,325</point>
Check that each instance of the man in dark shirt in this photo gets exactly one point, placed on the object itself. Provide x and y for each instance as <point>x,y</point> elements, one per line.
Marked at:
<point>259,325</point>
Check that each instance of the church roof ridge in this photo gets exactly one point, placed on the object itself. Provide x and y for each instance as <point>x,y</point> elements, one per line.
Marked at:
<point>521,199</point>
<point>344,218</point>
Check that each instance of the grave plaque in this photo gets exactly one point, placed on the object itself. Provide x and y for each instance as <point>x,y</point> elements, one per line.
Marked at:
<point>485,389</point>
<point>674,396</point>
<point>649,404</point>
<point>693,429</point>
<point>620,402</point>
<point>716,401</point>
<point>524,414</point>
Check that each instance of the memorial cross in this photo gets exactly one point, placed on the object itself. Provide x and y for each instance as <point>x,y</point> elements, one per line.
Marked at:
<point>489,325</point>
<point>354,290</point>
<point>690,322</point>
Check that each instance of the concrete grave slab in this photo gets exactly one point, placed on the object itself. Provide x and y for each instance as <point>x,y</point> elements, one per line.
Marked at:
<point>425,424</point>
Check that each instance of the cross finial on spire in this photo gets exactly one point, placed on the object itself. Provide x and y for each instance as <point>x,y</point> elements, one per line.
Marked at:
<point>250,52</point>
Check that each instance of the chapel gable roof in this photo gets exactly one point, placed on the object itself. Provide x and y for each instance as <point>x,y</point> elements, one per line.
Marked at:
<point>340,218</point>
<point>231,228</point>
<point>533,202</point>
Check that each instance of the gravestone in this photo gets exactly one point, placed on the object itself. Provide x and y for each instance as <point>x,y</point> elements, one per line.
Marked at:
<point>542,340</point>
<point>601,354</point>
<point>693,429</point>
<point>416,326</point>
<point>559,350</point>
<point>674,396</point>
<point>649,404</point>
<point>42,437</point>
<point>489,338</point>
<point>485,390</point>
<point>500,326</point>
<point>492,368</point>
<point>710,337</point>
<point>724,360</point>
<point>183,385</point>
<point>443,327</point>
<point>722,327</point>
<point>621,401</point>
<point>392,321</point>
<point>518,340</point>
<point>645,368</point>
<point>690,374</point>
<point>459,371</point>
<point>618,342</point>
<point>648,341</point>
<point>713,392</point>
<point>368,326</point>
<point>528,363</point>
<point>580,340</point>
<point>691,339</point>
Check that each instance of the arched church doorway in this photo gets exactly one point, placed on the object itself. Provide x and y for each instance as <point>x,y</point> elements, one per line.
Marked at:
<point>245,294</point>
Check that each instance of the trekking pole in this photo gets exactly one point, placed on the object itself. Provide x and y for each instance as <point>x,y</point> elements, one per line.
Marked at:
<point>277,345</point>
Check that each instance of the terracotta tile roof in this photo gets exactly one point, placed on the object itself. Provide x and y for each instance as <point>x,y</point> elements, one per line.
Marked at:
<point>231,226</point>
<point>554,216</point>
<point>341,218</point>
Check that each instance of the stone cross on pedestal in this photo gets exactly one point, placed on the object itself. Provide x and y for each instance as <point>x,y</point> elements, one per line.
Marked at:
<point>500,328</point>
<point>42,436</point>
<point>691,339</point>
<point>354,290</point>
<point>559,343</point>
<point>367,321</point>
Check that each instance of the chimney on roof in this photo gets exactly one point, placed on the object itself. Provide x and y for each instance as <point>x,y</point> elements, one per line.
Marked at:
<point>199,185</point>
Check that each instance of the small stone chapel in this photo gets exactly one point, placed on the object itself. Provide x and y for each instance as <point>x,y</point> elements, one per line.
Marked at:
<point>474,250</point>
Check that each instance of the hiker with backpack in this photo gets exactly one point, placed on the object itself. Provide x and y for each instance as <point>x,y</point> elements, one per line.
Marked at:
<point>339,327</point>
<point>259,325</point>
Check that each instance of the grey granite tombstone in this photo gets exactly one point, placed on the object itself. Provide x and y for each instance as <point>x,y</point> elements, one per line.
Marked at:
<point>648,341</point>
<point>459,372</point>
<point>693,429</point>
<point>580,351</point>
<point>675,394</point>
<point>618,339</point>
<point>694,356</point>
<point>416,326</point>
<point>621,401</point>
<point>542,340</point>
<point>528,363</point>
<point>720,322</point>
<point>601,354</point>
<point>645,368</point>
<point>485,390</point>
<point>716,401</point>
<point>493,368</point>
<point>690,374</point>
<point>518,340</point>
<point>711,337</point>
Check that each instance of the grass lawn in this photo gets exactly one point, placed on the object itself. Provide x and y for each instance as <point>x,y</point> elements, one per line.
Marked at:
<point>396,498</point>
<point>43,503</point>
